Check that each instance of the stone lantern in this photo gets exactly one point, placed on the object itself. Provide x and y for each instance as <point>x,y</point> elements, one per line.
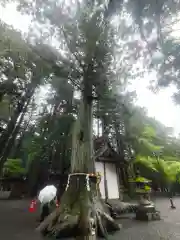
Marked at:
<point>146,209</point>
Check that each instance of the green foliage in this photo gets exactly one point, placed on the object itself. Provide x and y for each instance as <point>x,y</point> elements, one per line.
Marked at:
<point>154,139</point>
<point>161,171</point>
<point>13,168</point>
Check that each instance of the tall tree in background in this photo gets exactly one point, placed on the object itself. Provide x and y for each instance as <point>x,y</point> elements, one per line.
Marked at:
<point>24,70</point>
<point>157,22</point>
<point>52,146</point>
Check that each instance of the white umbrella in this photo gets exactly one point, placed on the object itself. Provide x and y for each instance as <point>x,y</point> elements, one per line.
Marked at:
<point>47,194</point>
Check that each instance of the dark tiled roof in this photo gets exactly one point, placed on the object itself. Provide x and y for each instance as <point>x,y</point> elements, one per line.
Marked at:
<point>103,148</point>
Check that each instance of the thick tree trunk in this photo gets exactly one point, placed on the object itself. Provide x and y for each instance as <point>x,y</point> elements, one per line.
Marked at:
<point>81,213</point>
<point>36,169</point>
<point>17,148</point>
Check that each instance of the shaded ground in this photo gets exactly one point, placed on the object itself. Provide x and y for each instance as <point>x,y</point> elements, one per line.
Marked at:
<point>18,224</point>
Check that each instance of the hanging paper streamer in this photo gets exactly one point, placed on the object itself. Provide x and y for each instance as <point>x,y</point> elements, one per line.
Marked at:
<point>32,207</point>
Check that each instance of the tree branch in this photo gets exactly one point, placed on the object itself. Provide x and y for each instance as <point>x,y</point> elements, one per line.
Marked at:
<point>72,52</point>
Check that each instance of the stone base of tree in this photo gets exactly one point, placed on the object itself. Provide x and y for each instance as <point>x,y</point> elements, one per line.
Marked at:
<point>147,212</point>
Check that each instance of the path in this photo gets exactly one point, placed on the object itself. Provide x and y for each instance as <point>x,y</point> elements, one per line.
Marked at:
<point>18,224</point>
<point>168,228</point>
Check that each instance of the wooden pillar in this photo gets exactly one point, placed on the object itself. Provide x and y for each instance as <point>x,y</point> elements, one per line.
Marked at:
<point>105,182</point>
<point>119,180</point>
<point>121,173</point>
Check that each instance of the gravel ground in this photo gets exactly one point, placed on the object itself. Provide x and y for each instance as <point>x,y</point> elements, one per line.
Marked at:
<point>18,224</point>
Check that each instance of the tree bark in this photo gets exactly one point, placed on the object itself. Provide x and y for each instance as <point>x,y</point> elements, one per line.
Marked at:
<point>12,123</point>
<point>8,144</point>
<point>17,148</point>
<point>82,213</point>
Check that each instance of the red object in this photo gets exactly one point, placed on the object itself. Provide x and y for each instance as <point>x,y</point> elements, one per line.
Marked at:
<point>32,207</point>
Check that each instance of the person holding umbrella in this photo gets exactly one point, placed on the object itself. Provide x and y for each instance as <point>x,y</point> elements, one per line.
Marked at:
<point>48,199</point>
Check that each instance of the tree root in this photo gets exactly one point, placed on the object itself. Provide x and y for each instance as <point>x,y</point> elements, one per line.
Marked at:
<point>118,208</point>
<point>65,225</point>
<point>106,224</point>
<point>81,213</point>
